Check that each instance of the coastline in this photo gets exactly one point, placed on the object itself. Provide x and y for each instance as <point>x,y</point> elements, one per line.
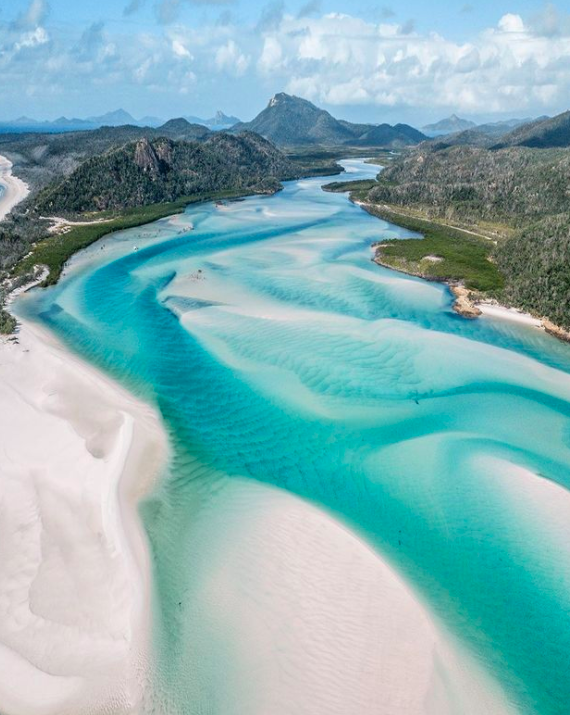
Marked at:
<point>15,190</point>
<point>466,303</point>
<point>78,453</point>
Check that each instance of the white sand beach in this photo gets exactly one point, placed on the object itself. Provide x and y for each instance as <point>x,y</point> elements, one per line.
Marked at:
<point>494,310</point>
<point>316,622</point>
<point>76,453</point>
<point>14,189</point>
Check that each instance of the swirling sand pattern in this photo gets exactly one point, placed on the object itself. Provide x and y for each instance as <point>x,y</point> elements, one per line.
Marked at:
<point>278,352</point>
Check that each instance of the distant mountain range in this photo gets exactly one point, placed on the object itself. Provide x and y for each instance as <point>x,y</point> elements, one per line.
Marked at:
<point>455,131</point>
<point>117,118</point>
<point>219,121</point>
<point>292,121</point>
<point>543,133</point>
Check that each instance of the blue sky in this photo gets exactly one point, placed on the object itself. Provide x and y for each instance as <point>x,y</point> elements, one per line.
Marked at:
<point>375,61</point>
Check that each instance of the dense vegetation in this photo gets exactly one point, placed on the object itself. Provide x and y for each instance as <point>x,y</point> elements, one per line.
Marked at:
<point>131,183</point>
<point>53,252</point>
<point>458,197</point>
<point>537,266</point>
<point>162,170</point>
<point>43,158</point>
<point>292,121</point>
<point>471,185</point>
<point>442,253</point>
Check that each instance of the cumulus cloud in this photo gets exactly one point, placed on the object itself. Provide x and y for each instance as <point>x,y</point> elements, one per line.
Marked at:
<point>520,64</point>
<point>511,23</point>
<point>230,59</point>
<point>180,50</point>
<point>34,38</point>
<point>550,22</point>
<point>507,67</point>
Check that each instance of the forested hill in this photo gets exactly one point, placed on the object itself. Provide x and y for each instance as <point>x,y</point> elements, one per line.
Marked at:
<point>161,170</point>
<point>42,158</point>
<point>518,196</point>
<point>542,134</point>
<point>467,184</point>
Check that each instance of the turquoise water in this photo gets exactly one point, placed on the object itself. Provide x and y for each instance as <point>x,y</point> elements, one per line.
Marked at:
<point>276,351</point>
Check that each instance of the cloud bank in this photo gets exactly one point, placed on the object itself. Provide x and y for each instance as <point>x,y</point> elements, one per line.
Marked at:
<point>522,64</point>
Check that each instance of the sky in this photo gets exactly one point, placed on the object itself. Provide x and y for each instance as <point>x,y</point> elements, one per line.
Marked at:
<point>363,60</point>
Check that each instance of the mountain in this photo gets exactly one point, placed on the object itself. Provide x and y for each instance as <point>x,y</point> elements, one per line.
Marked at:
<point>222,120</point>
<point>541,134</point>
<point>504,126</point>
<point>292,121</point>
<point>63,124</point>
<point>182,129</point>
<point>161,170</point>
<point>449,125</point>
<point>44,157</point>
<point>483,135</point>
<point>117,118</point>
<point>219,121</point>
<point>398,136</point>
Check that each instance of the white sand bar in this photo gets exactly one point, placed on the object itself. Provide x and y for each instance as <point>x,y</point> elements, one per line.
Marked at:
<point>76,452</point>
<point>14,189</point>
<point>319,623</point>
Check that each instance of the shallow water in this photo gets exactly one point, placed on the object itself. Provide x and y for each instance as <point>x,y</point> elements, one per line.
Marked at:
<point>278,352</point>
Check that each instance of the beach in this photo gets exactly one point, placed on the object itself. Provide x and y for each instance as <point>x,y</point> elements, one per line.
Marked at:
<point>77,453</point>
<point>14,189</point>
<point>316,621</point>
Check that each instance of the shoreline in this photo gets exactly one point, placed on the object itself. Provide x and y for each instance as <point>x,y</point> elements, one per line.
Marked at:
<point>15,190</point>
<point>464,304</point>
<point>79,452</point>
<point>295,585</point>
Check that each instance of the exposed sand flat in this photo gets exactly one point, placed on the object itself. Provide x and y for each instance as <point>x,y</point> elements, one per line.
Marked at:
<point>76,452</point>
<point>14,189</point>
<point>319,623</point>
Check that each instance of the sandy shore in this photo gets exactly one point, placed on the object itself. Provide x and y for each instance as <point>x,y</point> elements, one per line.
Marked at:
<point>76,452</point>
<point>494,310</point>
<point>14,189</point>
<point>316,622</point>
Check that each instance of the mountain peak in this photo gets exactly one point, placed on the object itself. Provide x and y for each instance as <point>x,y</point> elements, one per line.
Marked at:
<point>293,121</point>
<point>278,99</point>
<point>448,126</point>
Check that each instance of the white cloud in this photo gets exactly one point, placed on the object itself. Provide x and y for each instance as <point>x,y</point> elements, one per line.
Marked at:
<point>511,23</point>
<point>519,65</point>
<point>180,51</point>
<point>230,59</point>
<point>340,59</point>
<point>36,37</point>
